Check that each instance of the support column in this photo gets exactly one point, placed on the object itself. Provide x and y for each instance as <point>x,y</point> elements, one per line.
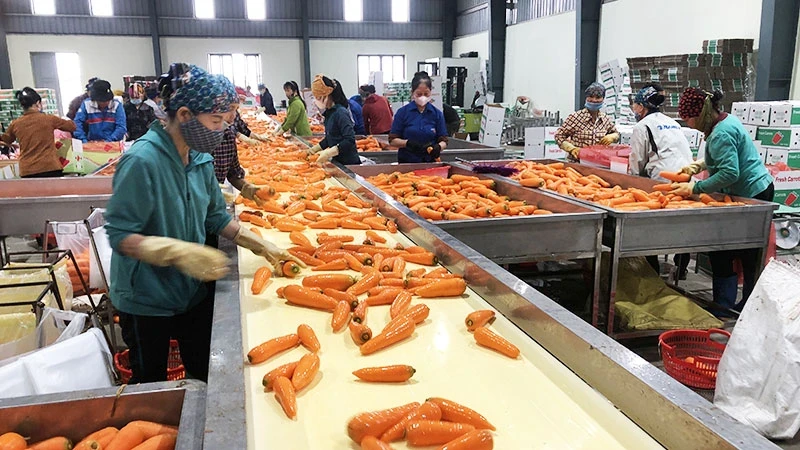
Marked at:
<point>449,27</point>
<point>5,62</point>
<point>587,34</point>
<point>156,36</point>
<point>776,47</point>
<point>306,44</point>
<point>497,47</point>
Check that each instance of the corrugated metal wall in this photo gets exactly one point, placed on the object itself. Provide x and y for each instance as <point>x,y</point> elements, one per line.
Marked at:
<point>473,22</point>
<point>73,17</point>
<point>535,9</point>
<point>471,19</point>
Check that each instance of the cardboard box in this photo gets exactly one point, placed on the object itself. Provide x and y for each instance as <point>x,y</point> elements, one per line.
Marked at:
<point>536,139</point>
<point>752,130</point>
<point>759,114</point>
<point>762,151</point>
<point>780,137</point>
<point>775,155</point>
<point>784,114</point>
<point>787,188</point>
<point>553,151</point>
<point>742,111</point>
<point>793,160</point>
<point>692,136</point>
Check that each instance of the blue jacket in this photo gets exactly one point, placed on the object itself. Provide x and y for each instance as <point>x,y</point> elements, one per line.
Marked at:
<point>339,131</point>
<point>427,127</point>
<point>154,194</point>
<point>108,125</point>
<point>358,118</point>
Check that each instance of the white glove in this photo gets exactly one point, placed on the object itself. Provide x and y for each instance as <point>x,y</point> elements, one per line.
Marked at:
<point>327,154</point>
<point>274,255</point>
<point>695,167</point>
<point>229,196</point>
<point>260,137</point>
<point>247,140</point>
<point>260,109</point>
<point>198,261</point>
<point>315,149</point>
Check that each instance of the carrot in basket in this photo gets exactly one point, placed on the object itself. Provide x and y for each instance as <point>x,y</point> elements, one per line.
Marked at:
<point>375,423</point>
<point>286,396</point>
<point>489,339</point>
<point>448,287</point>
<point>128,437</point>
<point>474,440</point>
<point>386,374</point>
<point>97,436</point>
<point>272,347</point>
<point>372,443</point>
<point>150,429</point>
<point>308,338</point>
<point>306,370</point>
<point>341,316</point>
<point>260,280</point>
<point>160,442</point>
<point>55,443</point>
<point>478,319</point>
<point>403,330</point>
<point>430,432</point>
<point>298,295</point>
<point>456,412</point>
<point>360,333</point>
<point>336,264</point>
<point>367,282</point>
<point>340,295</point>
<point>285,370</point>
<point>425,411</point>
<point>300,239</point>
<point>677,177</point>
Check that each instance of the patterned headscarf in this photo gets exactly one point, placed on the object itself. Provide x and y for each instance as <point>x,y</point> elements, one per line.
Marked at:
<point>696,102</point>
<point>595,90</point>
<point>319,88</point>
<point>202,92</point>
<point>648,97</point>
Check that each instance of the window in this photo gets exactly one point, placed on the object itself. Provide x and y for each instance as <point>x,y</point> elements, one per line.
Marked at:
<point>392,66</point>
<point>257,9</point>
<point>102,8</point>
<point>43,7</point>
<point>70,82</point>
<point>242,69</point>
<point>204,9</point>
<point>353,10</point>
<point>400,11</point>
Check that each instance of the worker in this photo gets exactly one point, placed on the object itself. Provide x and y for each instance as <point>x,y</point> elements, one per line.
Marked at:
<point>100,118</point>
<point>266,101</point>
<point>138,114</point>
<point>587,126</point>
<point>356,111</point>
<point>734,168</point>
<point>296,119</point>
<point>376,112</point>
<point>38,157</point>
<point>154,101</point>
<point>657,144</point>
<point>339,143</point>
<point>419,129</point>
<point>76,102</point>
<point>165,201</point>
<point>451,119</point>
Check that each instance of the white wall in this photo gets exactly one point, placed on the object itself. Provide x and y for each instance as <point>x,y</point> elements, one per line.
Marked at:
<point>99,56</point>
<point>281,59</point>
<point>478,42</point>
<point>540,62</point>
<point>339,58</point>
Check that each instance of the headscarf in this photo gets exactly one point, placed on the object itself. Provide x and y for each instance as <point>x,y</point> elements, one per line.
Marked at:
<point>649,98</point>
<point>136,90</point>
<point>595,90</point>
<point>200,91</point>
<point>696,102</point>
<point>319,88</point>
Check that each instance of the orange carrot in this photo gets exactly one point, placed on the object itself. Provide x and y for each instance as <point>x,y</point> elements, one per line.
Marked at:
<point>260,222</point>
<point>418,313</point>
<point>375,423</point>
<point>336,281</point>
<point>306,258</point>
<point>12,441</point>
<point>150,429</point>
<point>385,297</point>
<point>341,315</point>
<point>663,187</point>
<point>323,238</point>
<point>83,445</point>
<point>386,374</point>
<point>55,443</point>
<point>326,224</point>
<point>534,182</point>
<point>336,264</point>
<point>400,304</point>
<point>286,396</point>
<point>372,443</point>
<point>403,330</point>
<point>677,177</point>
<point>300,239</point>
<point>260,280</point>
<point>391,226</point>
<point>160,442</point>
<point>426,411</point>
<point>360,312</point>
<point>306,370</point>
<point>308,338</point>
<point>375,237</point>
<point>455,412</point>
<point>425,259</point>
<point>448,287</point>
<point>128,437</point>
<point>288,225</point>
<point>705,198</point>
<point>97,436</point>
<point>478,319</point>
<point>286,370</point>
<point>272,347</point>
<point>290,269</point>
<point>360,333</point>
<point>474,440</point>
<point>298,295</point>
<point>352,300</point>
<point>351,224</point>
<point>367,282</point>
<point>353,262</point>
<point>430,432</point>
<point>488,339</point>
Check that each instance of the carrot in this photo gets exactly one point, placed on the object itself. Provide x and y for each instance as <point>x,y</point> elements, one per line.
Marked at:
<point>386,297</point>
<point>488,339</point>
<point>260,222</point>
<point>418,313</point>
<point>727,199</point>
<point>430,432</point>
<point>360,333</point>
<point>352,300</point>
<point>376,223</point>
<point>306,258</point>
<point>351,224</point>
<point>339,282</point>
<point>12,441</point>
<point>455,412</point>
<point>478,319</point>
<point>353,262</point>
<point>161,442</point>
<point>425,259</point>
<point>295,208</point>
<point>150,429</point>
<point>533,181</point>
<point>375,423</point>
<point>400,304</point>
<point>300,239</point>
<point>298,295</point>
<point>336,264</point>
<point>55,443</point>
<point>677,177</point>
<point>271,206</point>
<point>288,225</point>
<point>705,198</point>
<point>367,282</point>
<point>327,224</point>
<point>308,338</point>
<point>256,231</point>
<point>286,396</point>
<point>474,440</point>
<point>386,374</point>
<point>426,411</point>
<point>360,312</point>
<point>448,287</point>
<point>86,445</point>
<point>286,370</point>
<point>375,237</point>
<point>391,226</point>
<point>322,238</point>
<point>372,443</point>
<point>128,437</point>
<point>663,187</point>
<point>403,330</point>
<point>260,280</point>
<point>272,347</point>
<point>341,315</point>
<point>290,269</point>
<point>306,370</point>
<point>96,437</point>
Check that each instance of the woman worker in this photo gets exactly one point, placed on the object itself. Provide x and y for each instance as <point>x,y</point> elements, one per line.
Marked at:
<point>734,168</point>
<point>587,126</point>
<point>296,119</point>
<point>657,145</point>
<point>419,129</point>
<point>165,201</point>
<point>38,157</point>
<point>339,143</point>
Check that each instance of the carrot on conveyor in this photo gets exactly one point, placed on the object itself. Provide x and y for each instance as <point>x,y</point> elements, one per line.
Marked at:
<point>474,440</point>
<point>360,333</point>
<point>425,411</point>
<point>341,316</point>
<point>368,281</point>
<point>352,300</point>
<point>403,330</point>
<point>339,282</point>
<point>272,347</point>
<point>456,412</point>
<point>360,312</point>
<point>336,264</point>
<point>425,259</point>
<point>373,443</point>
<point>306,370</point>
<point>386,374</point>
<point>286,396</point>
<point>286,370</point>
<point>489,339</point>
<point>478,319</point>
<point>375,423</point>
<point>291,269</point>
<point>447,287</point>
<point>298,295</point>
<point>431,432</point>
<point>308,338</point>
<point>300,239</point>
<point>260,280</point>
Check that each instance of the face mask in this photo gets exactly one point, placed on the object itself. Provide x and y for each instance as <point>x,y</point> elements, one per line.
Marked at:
<point>592,106</point>
<point>199,137</point>
<point>136,101</point>
<point>320,104</point>
<point>422,100</point>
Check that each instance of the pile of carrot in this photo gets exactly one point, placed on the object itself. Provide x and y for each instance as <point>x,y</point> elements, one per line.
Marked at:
<point>567,181</point>
<point>82,259</point>
<point>136,435</point>
<point>458,197</point>
<point>437,421</point>
<point>368,144</point>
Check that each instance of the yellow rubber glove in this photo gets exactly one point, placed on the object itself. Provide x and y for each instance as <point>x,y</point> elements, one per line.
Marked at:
<point>198,261</point>
<point>247,140</point>
<point>609,139</point>
<point>571,149</point>
<point>695,167</point>
<point>684,190</point>
<point>273,254</point>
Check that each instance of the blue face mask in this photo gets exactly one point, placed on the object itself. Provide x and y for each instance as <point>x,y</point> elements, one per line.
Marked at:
<point>136,101</point>
<point>592,106</point>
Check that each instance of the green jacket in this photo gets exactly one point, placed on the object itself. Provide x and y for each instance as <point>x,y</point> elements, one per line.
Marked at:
<point>154,194</point>
<point>296,119</point>
<point>733,162</point>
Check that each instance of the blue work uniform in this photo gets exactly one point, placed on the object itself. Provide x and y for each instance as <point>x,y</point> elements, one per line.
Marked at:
<point>155,194</point>
<point>339,131</point>
<point>358,118</point>
<point>427,127</point>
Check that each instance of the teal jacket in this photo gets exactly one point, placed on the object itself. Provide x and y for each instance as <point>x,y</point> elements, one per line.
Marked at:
<point>733,162</point>
<point>154,194</point>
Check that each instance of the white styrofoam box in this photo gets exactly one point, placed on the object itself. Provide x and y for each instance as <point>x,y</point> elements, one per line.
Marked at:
<point>619,165</point>
<point>741,110</point>
<point>759,114</point>
<point>493,113</point>
<point>752,130</point>
<point>775,155</point>
<point>550,134</point>
<point>692,136</point>
<point>762,151</point>
<point>553,151</point>
<point>788,180</point>
<point>784,114</point>
<point>701,150</point>
<point>534,142</point>
<point>490,139</point>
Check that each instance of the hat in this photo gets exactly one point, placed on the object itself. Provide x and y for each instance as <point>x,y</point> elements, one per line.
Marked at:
<point>595,90</point>
<point>199,90</point>
<point>649,97</point>
<point>90,83</point>
<point>692,102</point>
<point>319,88</point>
<point>100,91</point>
<point>261,86</point>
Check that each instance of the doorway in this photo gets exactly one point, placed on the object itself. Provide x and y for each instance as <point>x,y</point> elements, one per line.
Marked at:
<point>58,71</point>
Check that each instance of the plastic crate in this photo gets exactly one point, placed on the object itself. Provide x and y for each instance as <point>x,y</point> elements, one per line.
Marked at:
<point>175,369</point>
<point>691,356</point>
<point>443,172</point>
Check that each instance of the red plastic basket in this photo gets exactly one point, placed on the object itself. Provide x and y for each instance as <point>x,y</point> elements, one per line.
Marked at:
<point>175,370</point>
<point>691,356</point>
<point>443,172</point>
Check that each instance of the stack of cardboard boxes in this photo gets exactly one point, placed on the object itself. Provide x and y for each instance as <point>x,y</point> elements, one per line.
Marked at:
<point>10,108</point>
<point>618,91</point>
<point>492,123</point>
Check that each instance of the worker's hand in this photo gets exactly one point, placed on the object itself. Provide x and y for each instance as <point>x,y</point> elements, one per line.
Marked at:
<point>260,109</point>
<point>609,139</point>
<point>571,149</point>
<point>261,137</point>
<point>695,167</point>
<point>249,191</point>
<point>416,146</point>
<point>684,190</point>
<point>315,149</point>
<point>435,151</point>
<point>273,254</point>
<point>327,154</point>
<point>195,260</point>
<point>247,140</point>
<point>226,194</point>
